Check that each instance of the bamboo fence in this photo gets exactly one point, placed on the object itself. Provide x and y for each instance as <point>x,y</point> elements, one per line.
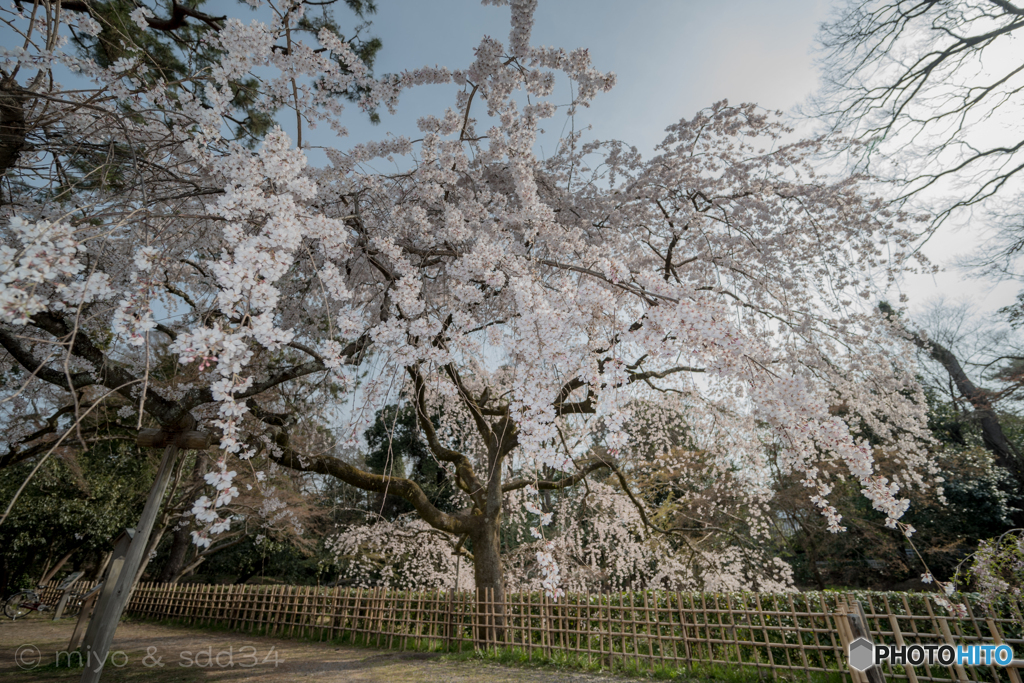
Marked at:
<point>49,595</point>
<point>789,635</point>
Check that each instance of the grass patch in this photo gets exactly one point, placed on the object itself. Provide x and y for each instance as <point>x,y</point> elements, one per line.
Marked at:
<point>627,666</point>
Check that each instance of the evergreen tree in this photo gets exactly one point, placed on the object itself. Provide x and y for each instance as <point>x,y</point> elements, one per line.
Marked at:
<point>396,449</point>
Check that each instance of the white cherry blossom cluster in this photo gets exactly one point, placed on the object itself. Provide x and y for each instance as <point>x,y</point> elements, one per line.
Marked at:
<point>41,267</point>
<point>410,562</point>
<point>609,547</point>
<point>551,581</point>
<point>481,235</point>
<point>205,510</point>
<point>134,317</point>
<point>724,278</point>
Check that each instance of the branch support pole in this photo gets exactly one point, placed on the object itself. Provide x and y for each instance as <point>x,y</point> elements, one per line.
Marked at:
<point>113,602</point>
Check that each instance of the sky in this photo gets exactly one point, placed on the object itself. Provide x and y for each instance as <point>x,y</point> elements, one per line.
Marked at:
<point>671,58</point>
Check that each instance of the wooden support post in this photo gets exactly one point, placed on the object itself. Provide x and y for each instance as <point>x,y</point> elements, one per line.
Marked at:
<point>111,570</point>
<point>997,638</point>
<point>859,629</point>
<point>83,621</point>
<point>66,587</point>
<point>116,594</point>
<point>845,637</point>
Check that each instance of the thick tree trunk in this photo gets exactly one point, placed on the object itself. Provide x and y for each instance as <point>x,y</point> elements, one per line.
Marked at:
<point>490,581</point>
<point>26,565</point>
<point>191,567</point>
<point>101,567</point>
<point>992,436</point>
<point>13,128</point>
<point>46,568</point>
<point>180,544</point>
<point>1005,455</point>
<point>204,555</point>
<point>154,541</point>
<point>182,539</point>
<point>812,555</point>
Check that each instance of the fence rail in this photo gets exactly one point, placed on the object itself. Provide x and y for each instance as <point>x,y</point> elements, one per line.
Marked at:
<point>793,635</point>
<point>50,595</point>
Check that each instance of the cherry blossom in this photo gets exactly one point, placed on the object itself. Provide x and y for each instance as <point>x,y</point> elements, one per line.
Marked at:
<point>576,320</point>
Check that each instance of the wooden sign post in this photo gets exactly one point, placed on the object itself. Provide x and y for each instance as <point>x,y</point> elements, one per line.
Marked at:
<point>115,597</point>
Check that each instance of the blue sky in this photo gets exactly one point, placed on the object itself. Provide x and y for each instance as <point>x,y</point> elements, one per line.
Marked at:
<point>672,57</point>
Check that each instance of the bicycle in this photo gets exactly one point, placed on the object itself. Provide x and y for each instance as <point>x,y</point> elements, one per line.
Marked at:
<point>28,600</point>
<point>23,602</point>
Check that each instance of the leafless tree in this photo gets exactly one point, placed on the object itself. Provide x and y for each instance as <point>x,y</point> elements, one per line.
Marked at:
<point>963,352</point>
<point>936,87</point>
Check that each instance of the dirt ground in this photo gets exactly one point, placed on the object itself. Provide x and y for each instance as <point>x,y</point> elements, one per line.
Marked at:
<point>165,654</point>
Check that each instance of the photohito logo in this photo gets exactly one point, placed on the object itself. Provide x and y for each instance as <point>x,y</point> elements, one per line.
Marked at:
<point>864,654</point>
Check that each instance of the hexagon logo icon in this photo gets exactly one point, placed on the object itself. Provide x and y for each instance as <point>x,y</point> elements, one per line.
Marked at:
<point>862,654</point>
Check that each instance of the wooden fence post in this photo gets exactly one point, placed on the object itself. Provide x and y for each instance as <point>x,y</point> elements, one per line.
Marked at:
<point>569,625</point>
<point>898,635</point>
<point>948,637</point>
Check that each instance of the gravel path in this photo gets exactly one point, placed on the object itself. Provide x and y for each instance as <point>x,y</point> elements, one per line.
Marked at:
<point>165,654</point>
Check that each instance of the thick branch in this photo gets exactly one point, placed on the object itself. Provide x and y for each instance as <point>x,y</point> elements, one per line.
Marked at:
<point>198,397</point>
<point>992,435</point>
<point>110,375</point>
<point>353,476</point>
<point>559,484</point>
<point>178,18</point>
<point>586,406</point>
<point>27,360</point>
<point>640,508</point>
<point>465,477</point>
<point>16,454</point>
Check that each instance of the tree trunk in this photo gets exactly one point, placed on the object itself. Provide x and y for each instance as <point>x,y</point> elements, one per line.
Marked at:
<point>13,128</point>
<point>182,539</point>
<point>992,436</point>
<point>812,554</point>
<point>154,541</point>
<point>1006,456</point>
<point>101,567</point>
<point>490,582</point>
<point>5,577</point>
<point>46,568</point>
<point>48,576</point>
<point>192,566</point>
<point>205,554</point>
<point>179,548</point>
